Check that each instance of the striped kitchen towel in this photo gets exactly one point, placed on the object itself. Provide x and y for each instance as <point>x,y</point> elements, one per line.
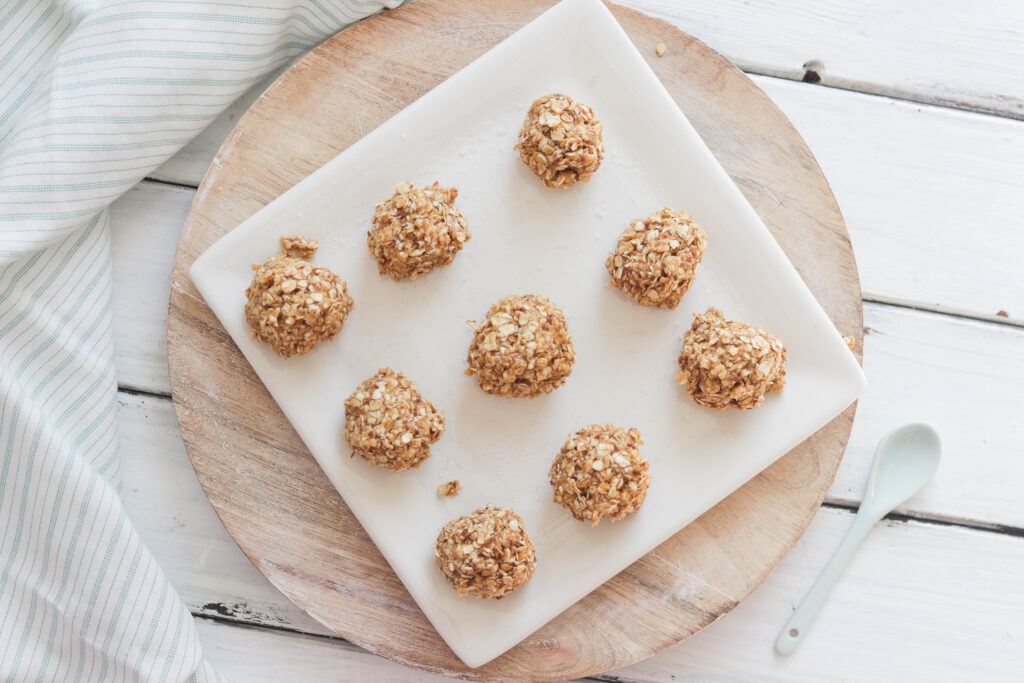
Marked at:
<point>94,95</point>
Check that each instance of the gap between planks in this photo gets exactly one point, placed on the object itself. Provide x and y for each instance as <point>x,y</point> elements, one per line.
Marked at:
<point>930,518</point>
<point>939,309</point>
<point>807,74</point>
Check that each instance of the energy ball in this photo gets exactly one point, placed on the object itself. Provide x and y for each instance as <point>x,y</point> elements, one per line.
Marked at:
<point>292,304</point>
<point>522,348</point>
<point>486,554</point>
<point>599,472</point>
<point>657,258</point>
<point>389,424</point>
<point>730,364</point>
<point>561,141</point>
<point>417,230</point>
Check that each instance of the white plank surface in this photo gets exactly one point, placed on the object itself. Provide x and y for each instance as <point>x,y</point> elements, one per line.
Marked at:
<point>933,198</point>
<point>146,225</point>
<point>962,54</point>
<point>966,378</point>
<point>245,654</point>
<point>925,191</point>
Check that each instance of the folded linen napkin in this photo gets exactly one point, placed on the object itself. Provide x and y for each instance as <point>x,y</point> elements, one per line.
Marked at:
<point>94,95</point>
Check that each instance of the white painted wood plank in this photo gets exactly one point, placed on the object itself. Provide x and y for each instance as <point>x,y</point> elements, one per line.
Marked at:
<point>967,54</point>
<point>146,224</point>
<point>259,655</point>
<point>966,378</point>
<point>933,198</point>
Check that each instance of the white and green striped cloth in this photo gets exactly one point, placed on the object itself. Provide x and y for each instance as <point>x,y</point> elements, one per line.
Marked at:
<point>93,96</point>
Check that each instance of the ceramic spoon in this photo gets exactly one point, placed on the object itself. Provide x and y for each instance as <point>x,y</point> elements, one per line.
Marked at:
<point>904,462</point>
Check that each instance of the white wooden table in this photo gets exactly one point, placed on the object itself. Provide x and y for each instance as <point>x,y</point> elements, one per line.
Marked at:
<point>918,122</point>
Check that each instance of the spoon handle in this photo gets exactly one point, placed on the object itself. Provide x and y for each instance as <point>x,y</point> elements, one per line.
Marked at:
<point>801,620</point>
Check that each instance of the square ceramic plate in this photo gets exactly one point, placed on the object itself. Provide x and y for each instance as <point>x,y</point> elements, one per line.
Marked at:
<point>531,239</point>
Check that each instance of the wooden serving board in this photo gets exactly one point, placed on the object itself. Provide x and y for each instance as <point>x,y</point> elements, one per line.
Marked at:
<point>277,503</point>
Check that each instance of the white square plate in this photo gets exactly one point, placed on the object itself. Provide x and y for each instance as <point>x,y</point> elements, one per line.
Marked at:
<point>531,239</point>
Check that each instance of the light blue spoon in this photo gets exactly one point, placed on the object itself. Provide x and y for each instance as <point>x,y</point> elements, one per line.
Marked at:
<point>904,462</point>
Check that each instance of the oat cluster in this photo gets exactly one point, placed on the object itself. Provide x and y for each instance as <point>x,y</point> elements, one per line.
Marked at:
<point>292,304</point>
<point>657,258</point>
<point>298,246</point>
<point>416,230</point>
<point>522,348</point>
<point>599,472</point>
<point>487,554</point>
<point>388,422</point>
<point>730,364</point>
<point>450,488</point>
<point>561,141</point>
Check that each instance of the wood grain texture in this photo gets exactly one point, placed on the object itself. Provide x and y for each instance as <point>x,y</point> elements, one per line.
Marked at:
<point>270,493</point>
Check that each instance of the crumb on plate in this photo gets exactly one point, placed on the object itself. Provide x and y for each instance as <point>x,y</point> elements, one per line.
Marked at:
<point>450,488</point>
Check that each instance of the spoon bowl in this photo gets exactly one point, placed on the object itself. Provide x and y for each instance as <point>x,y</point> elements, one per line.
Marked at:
<point>905,460</point>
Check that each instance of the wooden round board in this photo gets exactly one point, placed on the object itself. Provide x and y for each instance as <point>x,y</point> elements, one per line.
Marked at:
<point>277,503</point>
